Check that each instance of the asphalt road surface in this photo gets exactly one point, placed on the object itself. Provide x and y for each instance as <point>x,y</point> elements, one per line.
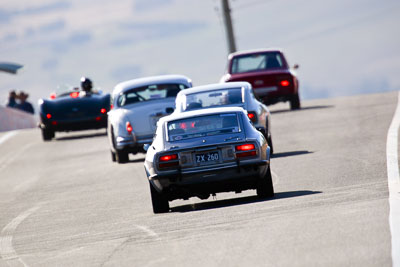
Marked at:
<point>64,203</point>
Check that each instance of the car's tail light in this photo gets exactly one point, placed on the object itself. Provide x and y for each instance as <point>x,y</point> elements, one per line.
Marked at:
<point>48,115</point>
<point>103,110</point>
<point>98,118</point>
<point>74,94</point>
<point>245,150</point>
<point>167,161</point>
<point>252,116</point>
<point>53,96</point>
<point>129,127</point>
<point>54,123</point>
<point>111,106</point>
<point>285,83</point>
<point>169,157</point>
<point>245,147</point>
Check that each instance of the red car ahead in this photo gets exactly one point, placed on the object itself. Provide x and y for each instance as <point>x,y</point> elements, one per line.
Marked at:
<point>268,72</point>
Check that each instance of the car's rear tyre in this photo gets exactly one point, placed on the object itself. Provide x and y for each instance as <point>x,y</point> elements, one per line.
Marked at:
<point>159,201</point>
<point>121,156</point>
<point>295,102</point>
<point>269,140</point>
<point>265,187</point>
<point>47,134</point>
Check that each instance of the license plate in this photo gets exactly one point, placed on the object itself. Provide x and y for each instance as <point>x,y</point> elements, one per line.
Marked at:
<point>75,115</point>
<point>210,157</point>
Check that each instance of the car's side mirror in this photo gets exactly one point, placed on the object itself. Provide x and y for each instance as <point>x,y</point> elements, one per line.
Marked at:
<point>296,66</point>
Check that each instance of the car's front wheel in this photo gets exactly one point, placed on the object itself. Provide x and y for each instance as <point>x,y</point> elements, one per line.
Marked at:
<point>265,187</point>
<point>159,202</point>
<point>47,134</point>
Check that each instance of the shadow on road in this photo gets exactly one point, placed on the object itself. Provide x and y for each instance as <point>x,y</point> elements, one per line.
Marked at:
<point>240,201</point>
<point>299,193</point>
<point>81,136</point>
<point>303,108</point>
<point>137,160</point>
<point>134,160</point>
<point>291,153</point>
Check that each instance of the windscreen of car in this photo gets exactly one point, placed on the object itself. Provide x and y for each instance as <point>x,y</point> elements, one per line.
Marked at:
<point>213,98</point>
<point>66,90</point>
<point>149,92</point>
<point>257,62</point>
<point>203,126</point>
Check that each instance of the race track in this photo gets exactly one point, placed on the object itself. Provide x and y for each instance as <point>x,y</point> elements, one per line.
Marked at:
<point>64,203</point>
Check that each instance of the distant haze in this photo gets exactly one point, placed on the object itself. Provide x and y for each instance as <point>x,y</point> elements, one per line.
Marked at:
<point>343,47</point>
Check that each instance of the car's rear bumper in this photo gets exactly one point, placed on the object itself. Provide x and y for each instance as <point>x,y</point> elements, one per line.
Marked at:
<point>74,125</point>
<point>275,96</point>
<point>133,143</point>
<point>270,91</point>
<point>235,176</point>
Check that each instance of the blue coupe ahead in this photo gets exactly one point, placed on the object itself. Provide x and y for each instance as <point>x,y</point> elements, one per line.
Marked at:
<point>73,110</point>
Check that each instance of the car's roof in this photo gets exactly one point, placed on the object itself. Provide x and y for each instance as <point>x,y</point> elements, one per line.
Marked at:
<point>151,80</point>
<point>213,87</point>
<point>254,51</point>
<point>200,112</point>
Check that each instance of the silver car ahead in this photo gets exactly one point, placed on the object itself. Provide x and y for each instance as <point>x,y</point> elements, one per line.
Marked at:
<point>203,152</point>
<point>239,94</point>
<point>136,107</point>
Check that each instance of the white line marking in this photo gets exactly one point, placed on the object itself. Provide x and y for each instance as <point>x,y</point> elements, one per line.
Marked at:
<point>7,251</point>
<point>14,156</point>
<point>151,233</point>
<point>394,184</point>
<point>24,186</point>
<point>148,231</point>
<point>7,136</point>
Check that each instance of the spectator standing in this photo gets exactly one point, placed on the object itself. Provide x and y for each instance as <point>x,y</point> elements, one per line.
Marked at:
<point>23,104</point>
<point>12,99</point>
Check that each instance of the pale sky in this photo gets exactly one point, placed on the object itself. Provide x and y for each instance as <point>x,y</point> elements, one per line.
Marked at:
<point>343,47</point>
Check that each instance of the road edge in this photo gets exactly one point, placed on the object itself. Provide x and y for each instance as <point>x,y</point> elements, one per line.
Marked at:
<point>7,136</point>
<point>394,184</point>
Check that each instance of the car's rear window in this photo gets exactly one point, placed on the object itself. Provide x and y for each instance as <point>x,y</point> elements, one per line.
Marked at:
<point>257,62</point>
<point>203,126</point>
<point>150,92</point>
<point>213,98</point>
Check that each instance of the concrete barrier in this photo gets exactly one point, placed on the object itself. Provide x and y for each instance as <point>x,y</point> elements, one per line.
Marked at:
<point>13,119</point>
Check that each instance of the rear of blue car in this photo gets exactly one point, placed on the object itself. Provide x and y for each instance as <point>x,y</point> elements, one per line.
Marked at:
<point>73,113</point>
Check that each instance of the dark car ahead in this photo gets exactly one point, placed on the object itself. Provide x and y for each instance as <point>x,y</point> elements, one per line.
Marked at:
<point>203,152</point>
<point>73,110</point>
<point>268,71</point>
